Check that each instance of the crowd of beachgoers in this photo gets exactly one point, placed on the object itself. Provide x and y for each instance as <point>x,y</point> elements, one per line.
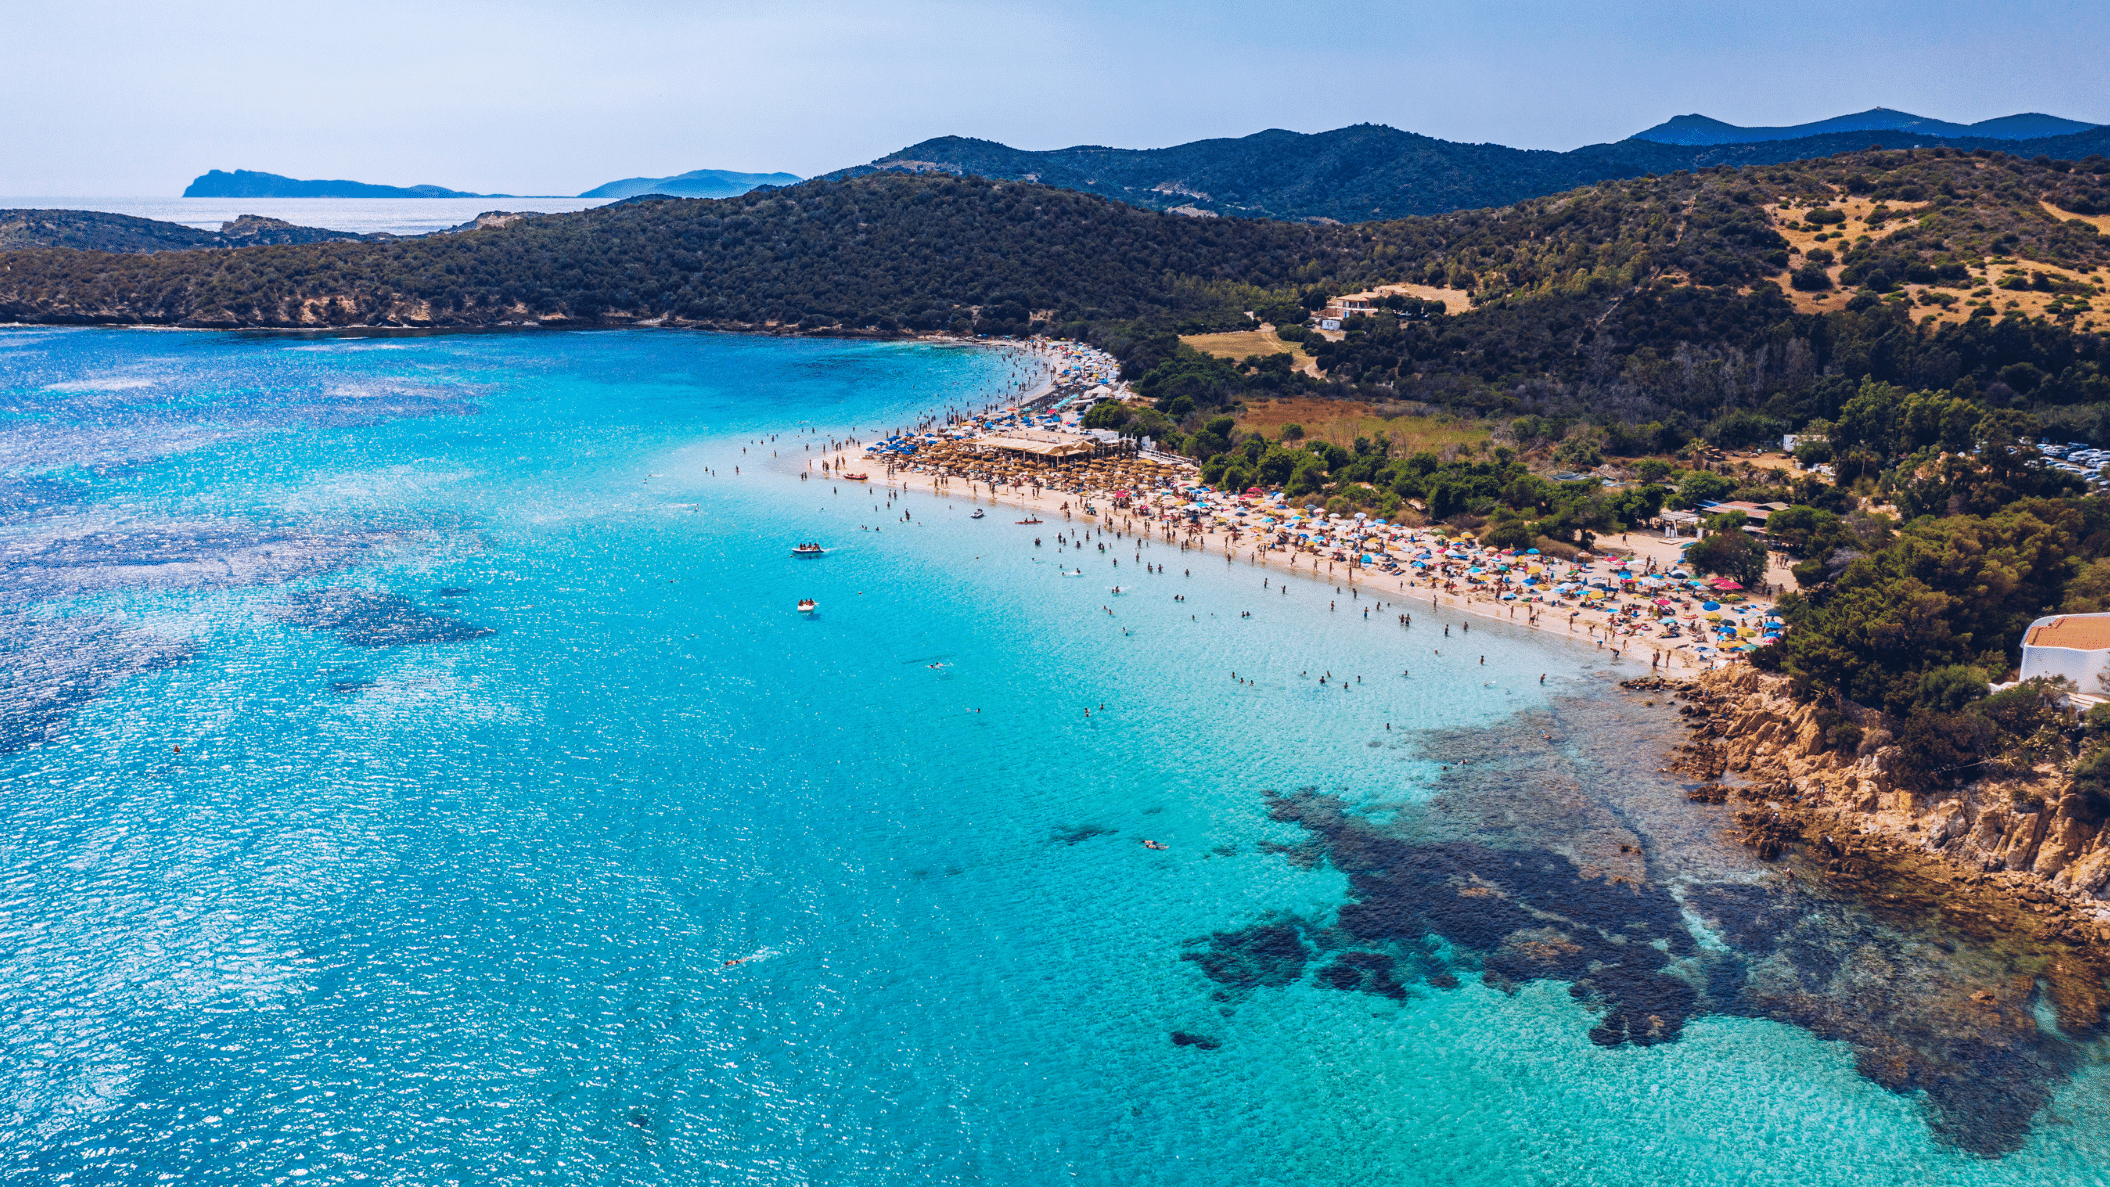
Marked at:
<point>1050,380</point>
<point>1624,602</point>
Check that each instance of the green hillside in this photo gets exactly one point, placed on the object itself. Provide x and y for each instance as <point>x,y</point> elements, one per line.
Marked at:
<point>1661,299</point>
<point>94,230</point>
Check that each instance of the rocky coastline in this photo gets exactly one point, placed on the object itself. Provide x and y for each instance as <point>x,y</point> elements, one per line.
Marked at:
<point>2011,863</point>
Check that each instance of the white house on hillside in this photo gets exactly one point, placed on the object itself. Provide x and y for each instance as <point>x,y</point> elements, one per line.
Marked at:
<point>2076,646</point>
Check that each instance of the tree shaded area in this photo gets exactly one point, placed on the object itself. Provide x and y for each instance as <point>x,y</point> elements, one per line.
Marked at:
<point>1945,591</point>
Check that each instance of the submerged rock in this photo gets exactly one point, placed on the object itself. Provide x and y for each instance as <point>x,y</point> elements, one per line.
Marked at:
<point>1268,954</point>
<point>50,668</point>
<point>1586,863</point>
<point>366,618</point>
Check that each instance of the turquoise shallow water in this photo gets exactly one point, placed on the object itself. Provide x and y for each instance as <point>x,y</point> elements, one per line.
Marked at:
<point>500,738</point>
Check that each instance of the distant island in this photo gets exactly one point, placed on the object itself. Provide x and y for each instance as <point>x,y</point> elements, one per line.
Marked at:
<point>1699,129</point>
<point>245,183</point>
<point>697,183</point>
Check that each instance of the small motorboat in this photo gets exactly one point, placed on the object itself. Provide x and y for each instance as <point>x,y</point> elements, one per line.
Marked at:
<point>977,514</point>
<point>807,605</point>
<point>1033,519</point>
<point>809,549</point>
<point>853,477</point>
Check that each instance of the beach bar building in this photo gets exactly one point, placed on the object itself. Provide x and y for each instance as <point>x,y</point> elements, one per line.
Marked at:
<point>1042,445</point>
<point>2075,646</point>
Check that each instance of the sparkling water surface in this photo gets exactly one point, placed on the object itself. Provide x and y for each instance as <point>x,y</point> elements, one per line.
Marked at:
<point>500,738</point>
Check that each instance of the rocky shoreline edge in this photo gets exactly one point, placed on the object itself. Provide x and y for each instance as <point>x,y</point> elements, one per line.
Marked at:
<point>2011,865</point>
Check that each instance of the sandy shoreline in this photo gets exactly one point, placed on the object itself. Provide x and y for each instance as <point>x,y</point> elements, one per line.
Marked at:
<point>1395,594</point>
<point>845,453</point>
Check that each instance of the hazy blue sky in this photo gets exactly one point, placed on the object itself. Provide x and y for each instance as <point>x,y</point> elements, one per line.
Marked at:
<point>528,97</point>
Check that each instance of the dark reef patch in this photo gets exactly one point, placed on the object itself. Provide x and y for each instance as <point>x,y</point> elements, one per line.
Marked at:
<point>1266,954</point>
<point>1080,833</point>
<point>95,426</point>
<point>22,498</point>
<point>51,667</point>
<point>1181,1038</point>
<point>1921,1012</point>
<point>1370,972</point>
<point>366,618</point>
<point>1553,848</point>
<point>215,554</point>
<point>1524,914</point>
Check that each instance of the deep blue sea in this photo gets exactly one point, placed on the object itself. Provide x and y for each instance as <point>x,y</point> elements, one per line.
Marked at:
<point>402,736</point>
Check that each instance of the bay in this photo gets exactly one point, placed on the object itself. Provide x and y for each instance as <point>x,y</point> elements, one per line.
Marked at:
<point>522,831</point>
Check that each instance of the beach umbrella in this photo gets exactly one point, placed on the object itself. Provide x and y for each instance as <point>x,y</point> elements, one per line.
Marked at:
<point>1710,605</point>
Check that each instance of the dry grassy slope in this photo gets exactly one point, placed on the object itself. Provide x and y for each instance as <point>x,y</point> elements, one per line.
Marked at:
<point>1455,301</point>
<point>1240,344</point>
<point>1342,421</point>
<point>2101,222</point>
<point>1984,272</point>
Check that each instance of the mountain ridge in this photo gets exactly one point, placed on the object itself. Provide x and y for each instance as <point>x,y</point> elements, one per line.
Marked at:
<point>1369,172</point>
<point>1696,129</point>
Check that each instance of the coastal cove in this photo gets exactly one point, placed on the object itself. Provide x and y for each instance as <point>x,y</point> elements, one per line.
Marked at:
<point>415,766</point>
